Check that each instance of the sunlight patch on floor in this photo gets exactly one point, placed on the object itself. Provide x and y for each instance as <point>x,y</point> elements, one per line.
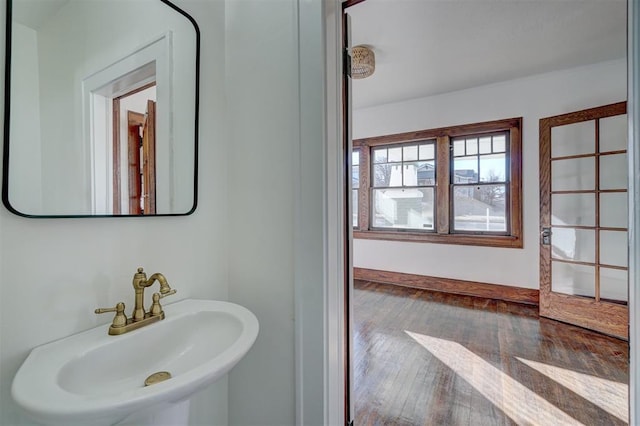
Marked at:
<point>519,403</point>
<point>611,396</point>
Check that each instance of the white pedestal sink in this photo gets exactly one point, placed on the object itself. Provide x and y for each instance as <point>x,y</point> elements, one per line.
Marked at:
<point>96,379</point>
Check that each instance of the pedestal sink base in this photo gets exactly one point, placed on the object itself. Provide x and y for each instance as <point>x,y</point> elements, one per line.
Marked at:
<point>172,414</point>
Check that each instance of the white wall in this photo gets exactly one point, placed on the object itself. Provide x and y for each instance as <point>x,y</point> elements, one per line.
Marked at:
<point>26,124</point>
<point>53,273</point>
<point>531,98</point>
<point>262,95</point>
<point>239,244</point>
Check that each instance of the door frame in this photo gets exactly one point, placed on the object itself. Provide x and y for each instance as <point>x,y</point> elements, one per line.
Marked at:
<point>633,114</point>
<point>334,298</point>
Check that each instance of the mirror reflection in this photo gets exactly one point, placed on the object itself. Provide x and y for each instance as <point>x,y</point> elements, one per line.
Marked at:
<point>102,103</point>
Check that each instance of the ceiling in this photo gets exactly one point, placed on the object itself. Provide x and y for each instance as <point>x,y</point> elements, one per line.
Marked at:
<point>33,13</point>
<point>427,47</point>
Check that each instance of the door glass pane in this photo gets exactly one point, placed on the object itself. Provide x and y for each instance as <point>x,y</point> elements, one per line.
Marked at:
<point>614,284</point>
<point>613,210</point>
<point>613,171</point>
<point>613,248</point>
<point>613,133</point>
<point>573,244</point>
<point>480,208</point>
<point>573,209</point>
<point>573,174</point>
<point>573,139</point>
<point>573,279</point>
<point>403,208</point>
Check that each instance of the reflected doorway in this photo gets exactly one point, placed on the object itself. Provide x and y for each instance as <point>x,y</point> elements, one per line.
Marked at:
<point>134,130</point>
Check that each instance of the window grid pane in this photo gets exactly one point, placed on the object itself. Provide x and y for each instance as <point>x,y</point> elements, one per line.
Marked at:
<point>399,167</point>
<point>403,186</point>
<point>403,208</point>
<point>480,184</point>
<point>480,208</point>
<point>354,208</point>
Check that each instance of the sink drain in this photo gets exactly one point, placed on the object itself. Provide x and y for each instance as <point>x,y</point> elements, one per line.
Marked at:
<point>158,377</point>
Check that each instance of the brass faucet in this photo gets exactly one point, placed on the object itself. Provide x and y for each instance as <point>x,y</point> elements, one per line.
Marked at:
<point>139,318</point>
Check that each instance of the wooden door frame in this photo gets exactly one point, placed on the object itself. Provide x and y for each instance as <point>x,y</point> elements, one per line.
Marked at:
<point>559,306</point>
<point>334,133</point>
<point>149,159</point>
<point>633,153</point>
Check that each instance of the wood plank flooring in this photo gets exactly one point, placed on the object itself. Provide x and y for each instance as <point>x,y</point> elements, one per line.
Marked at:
<point>429,358</point>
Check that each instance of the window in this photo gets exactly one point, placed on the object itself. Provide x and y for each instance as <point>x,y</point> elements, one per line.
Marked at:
<point>455,185</point>
<point>403,187</point>
<point>479,183</point>
<point>355,184</point>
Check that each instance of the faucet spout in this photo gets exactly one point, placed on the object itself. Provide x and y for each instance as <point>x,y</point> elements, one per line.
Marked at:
<point>140,282</point>
<point>164,285</point>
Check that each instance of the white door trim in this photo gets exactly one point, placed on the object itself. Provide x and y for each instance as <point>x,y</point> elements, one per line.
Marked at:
<point>319,249</point>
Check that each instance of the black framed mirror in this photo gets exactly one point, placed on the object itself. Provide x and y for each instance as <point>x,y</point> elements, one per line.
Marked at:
<point>101,108</point>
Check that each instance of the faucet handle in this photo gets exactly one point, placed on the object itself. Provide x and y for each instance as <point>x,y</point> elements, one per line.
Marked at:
<point>156,308</point>
<point>120,319</point>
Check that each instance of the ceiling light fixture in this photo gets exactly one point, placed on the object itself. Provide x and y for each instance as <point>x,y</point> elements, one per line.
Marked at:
<point>363,62</point>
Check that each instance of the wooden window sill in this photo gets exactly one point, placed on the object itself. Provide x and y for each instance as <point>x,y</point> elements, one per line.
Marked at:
<point>502,241</point>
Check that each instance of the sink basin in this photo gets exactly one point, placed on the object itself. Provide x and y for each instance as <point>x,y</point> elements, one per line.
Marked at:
<point>94,378</point>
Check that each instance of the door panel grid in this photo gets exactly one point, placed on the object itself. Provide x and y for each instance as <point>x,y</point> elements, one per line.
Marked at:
<point>583,199</point>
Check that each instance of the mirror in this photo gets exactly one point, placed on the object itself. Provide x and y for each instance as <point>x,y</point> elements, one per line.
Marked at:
<point>101,108</point>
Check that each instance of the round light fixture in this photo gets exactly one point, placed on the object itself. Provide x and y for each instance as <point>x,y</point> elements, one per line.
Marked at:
<point>363,62</point>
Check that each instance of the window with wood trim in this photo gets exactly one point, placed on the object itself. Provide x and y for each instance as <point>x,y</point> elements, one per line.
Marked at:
<point>479,183</point>
<point>403,186</point>
<point>453,185</point>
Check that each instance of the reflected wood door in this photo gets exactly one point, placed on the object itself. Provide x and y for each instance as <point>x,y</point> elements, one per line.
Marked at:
<point>149,159</point>
<point>135,120</point>
<point>583,219</point>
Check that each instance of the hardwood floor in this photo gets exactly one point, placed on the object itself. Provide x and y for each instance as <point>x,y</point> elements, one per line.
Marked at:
<point>429,358</point>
